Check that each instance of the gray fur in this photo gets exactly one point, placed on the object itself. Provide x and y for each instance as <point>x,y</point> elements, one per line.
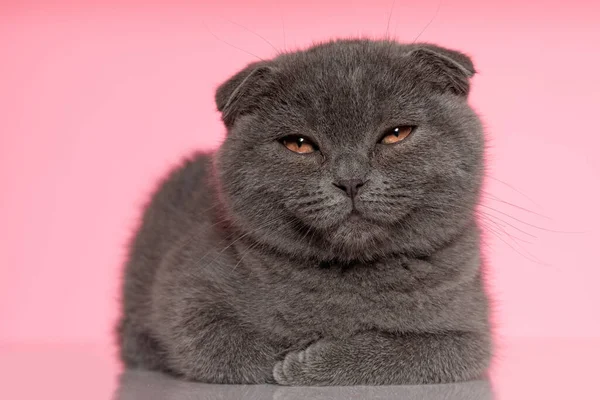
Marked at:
<point>250,265</point>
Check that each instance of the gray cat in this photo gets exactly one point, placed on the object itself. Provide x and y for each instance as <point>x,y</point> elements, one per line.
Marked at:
<point>332,239</point>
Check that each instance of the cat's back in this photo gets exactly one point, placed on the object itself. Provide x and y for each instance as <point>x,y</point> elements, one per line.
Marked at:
<point>181,201</point>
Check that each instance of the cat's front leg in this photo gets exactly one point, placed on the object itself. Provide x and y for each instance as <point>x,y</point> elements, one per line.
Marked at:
<point>203,339</point>
<point>372,358</point>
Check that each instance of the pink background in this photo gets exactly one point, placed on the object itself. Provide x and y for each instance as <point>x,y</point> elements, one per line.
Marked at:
<point>98,100</point>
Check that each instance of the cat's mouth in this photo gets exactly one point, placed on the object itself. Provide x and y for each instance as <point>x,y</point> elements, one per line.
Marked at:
<point>357,223</point>
<point>354,216</point>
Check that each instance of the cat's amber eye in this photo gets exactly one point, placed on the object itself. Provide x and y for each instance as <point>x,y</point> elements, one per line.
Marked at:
<point>396,134</point>
<point>299,144</point>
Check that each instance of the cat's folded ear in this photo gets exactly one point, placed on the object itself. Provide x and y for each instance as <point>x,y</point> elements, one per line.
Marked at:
<point>443,69</point>
<point>245,91</point>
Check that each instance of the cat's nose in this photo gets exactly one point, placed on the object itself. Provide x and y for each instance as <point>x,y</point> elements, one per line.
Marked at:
<point>350,186</point>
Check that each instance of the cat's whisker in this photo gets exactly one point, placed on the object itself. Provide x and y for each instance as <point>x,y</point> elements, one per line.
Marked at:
<point>261,226</point>
<point>481,212</point>
<point>501,228</point>
<point>312,236</point>
<point>499,231</point>
<point>244,254</point>
<point>527,223</point>
<point>255,245</point>
<point>516,248</point>
<point>514,189</point>
<point>308,229</point>
<point>485,220</point>
<point>495,198</point>
<point>194,234</point>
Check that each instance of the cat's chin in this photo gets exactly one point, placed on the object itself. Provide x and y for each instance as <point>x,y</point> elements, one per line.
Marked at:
<point>356,237</point>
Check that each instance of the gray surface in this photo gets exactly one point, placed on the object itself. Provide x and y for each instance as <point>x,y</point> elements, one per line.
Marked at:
<point>144,385</point>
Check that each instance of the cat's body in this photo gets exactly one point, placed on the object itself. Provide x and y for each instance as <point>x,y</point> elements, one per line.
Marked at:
<point>251,267</point>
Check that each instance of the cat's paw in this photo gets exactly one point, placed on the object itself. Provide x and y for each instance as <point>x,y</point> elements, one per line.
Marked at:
<point>303,368</point>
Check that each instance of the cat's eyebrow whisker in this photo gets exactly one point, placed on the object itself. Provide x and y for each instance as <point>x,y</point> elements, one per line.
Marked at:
<point>229,44</point>
<point>284,39</point>
<point>429,23</point>
<point>254,33</point>
<point>387,29</point>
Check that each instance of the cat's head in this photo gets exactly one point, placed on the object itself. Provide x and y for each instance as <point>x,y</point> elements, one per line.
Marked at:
<point>351,150</point>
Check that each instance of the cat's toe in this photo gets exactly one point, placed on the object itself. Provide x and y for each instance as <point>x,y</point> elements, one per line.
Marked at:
<point>304,368</point>
<point>278,374</point>
<point>292,371</point>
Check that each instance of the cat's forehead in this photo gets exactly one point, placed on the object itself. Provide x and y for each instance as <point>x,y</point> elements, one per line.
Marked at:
<point>346,86</point>
<point>347,51</point>
<point>351,77</point>
<point>341,61</point>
